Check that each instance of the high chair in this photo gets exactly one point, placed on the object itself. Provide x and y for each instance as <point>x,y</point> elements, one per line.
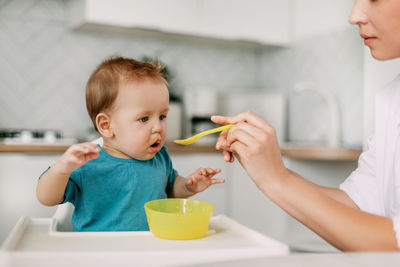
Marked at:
<point>63,215</point>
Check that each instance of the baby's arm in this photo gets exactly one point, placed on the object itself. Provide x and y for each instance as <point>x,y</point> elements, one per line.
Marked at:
<point>197,182</point>
<point>51,186</point>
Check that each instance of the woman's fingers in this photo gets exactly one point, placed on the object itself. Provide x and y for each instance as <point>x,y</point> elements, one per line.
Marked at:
<point>238,149</point>
<point>244,133</point>
<point>221,141</point>
<point>228,157</point>
<point>248,116</point>
<point>221,144</point>
<point>250,129</point>
<point>249,134</point>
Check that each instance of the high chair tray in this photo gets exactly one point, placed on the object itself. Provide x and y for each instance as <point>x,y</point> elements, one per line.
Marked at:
<point>37,241</point>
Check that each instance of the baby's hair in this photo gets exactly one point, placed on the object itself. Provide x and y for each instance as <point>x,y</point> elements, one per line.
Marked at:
<point>102,86</point>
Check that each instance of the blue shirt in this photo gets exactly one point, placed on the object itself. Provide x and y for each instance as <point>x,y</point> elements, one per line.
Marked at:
<point>109,193</point>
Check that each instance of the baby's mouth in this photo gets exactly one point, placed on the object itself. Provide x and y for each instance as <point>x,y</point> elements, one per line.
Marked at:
<point>155,144</point>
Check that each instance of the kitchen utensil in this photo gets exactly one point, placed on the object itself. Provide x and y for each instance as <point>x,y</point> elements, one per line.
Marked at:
<point>178,219</point>
<point>196,137</point>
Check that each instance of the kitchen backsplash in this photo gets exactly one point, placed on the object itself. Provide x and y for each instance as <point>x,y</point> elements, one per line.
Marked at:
<point>332,61</point>
<point>45,66</point>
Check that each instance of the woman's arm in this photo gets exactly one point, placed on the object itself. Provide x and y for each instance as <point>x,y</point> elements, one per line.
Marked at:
<point>328,212</point>
<point>334,193</point>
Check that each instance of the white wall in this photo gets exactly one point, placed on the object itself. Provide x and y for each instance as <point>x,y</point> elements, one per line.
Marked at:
<point>328,51</point>
<point>313,17</point>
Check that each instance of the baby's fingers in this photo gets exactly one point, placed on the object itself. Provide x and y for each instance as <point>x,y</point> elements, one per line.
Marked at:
<point>200,172</point>
<point>189,181</point>
<point>87,148</point>
<point>91,155</point>
<point>81,153</point>
<point>217,181</point>
<point>212,172</point>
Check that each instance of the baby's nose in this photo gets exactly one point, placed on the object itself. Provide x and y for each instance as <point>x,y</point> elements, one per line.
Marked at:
<point>157,127</point>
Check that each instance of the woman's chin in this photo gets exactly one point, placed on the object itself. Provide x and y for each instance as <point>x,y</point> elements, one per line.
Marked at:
<point>382,55</point>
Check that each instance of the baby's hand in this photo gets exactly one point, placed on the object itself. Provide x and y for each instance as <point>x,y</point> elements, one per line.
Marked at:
<point>75,156</point>
<point>202,179</point>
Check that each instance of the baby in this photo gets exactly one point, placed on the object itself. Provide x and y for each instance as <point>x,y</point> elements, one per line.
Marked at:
<point>127,101</point>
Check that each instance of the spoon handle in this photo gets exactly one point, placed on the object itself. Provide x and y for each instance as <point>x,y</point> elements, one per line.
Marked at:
<point>216,130</point>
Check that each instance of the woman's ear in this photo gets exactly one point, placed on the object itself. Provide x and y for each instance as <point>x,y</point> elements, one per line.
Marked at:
<point>103,123</point>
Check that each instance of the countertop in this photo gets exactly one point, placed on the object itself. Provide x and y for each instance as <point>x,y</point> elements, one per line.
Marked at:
<point>362,259</point>
<point>290,151</point>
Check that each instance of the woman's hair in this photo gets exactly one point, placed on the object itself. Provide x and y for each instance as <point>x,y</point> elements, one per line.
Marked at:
<point>102,86</point>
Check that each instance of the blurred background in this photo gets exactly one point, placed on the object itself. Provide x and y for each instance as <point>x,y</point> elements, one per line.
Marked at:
<point>298,63</point>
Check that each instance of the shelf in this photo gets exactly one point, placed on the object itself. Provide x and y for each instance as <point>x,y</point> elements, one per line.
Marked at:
<point>295,152</point>
<point>321,153</point>
<point>58,149</point>
<point>33,148</point>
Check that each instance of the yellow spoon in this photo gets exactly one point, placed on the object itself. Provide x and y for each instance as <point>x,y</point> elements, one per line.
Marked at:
<point>196,137</point>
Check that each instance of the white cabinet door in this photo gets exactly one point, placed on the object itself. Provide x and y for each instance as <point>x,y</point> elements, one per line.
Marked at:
<point>252,208</point>
<point>261,21</point>
<point>325,173</point>
<point>19,174</point>
<point>218,195</point>
<point>175,16</point>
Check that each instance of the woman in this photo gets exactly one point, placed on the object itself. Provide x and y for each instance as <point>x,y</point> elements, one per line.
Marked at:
<point>364,214</point>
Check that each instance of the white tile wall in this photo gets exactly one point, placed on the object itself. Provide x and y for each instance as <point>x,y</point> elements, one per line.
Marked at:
<point>333,61</point>
<point>44,67</point>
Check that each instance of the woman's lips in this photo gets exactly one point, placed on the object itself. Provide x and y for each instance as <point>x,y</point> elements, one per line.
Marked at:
<point>368,39</point>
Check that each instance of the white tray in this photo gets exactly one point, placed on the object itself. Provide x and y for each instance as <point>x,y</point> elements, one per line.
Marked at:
<point>36,242</point>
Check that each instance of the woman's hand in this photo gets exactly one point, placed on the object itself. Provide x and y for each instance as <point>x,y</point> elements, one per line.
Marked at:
<point>253,142</point>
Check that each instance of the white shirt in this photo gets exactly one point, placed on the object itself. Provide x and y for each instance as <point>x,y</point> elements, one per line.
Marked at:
<point>375,185</point>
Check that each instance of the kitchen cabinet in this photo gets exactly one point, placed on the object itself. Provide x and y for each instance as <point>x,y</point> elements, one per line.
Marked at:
<point>254,21</point>
<point>18,178</point>
<point>252,208</point>
<point>219,195</point>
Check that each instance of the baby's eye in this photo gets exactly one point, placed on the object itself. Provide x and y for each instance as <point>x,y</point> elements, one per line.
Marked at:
<point>144,119</point>
<point>162,117</point>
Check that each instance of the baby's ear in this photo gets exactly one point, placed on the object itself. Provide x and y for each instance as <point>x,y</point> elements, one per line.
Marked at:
<point>103,123</point>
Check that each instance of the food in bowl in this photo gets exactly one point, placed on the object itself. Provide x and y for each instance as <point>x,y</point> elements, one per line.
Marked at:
<point>178,219</point>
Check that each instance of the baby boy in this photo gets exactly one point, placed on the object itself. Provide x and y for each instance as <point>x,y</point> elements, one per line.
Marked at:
<point>127,101</point>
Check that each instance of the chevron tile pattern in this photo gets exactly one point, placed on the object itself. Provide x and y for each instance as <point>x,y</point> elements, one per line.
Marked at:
<point>334,62</point>
<point>44,67</point>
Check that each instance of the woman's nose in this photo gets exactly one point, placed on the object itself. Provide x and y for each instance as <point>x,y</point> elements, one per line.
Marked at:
<point>358,13</point>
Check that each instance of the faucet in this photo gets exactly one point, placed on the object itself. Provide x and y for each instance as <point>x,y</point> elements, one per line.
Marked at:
<point>334,133</point>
